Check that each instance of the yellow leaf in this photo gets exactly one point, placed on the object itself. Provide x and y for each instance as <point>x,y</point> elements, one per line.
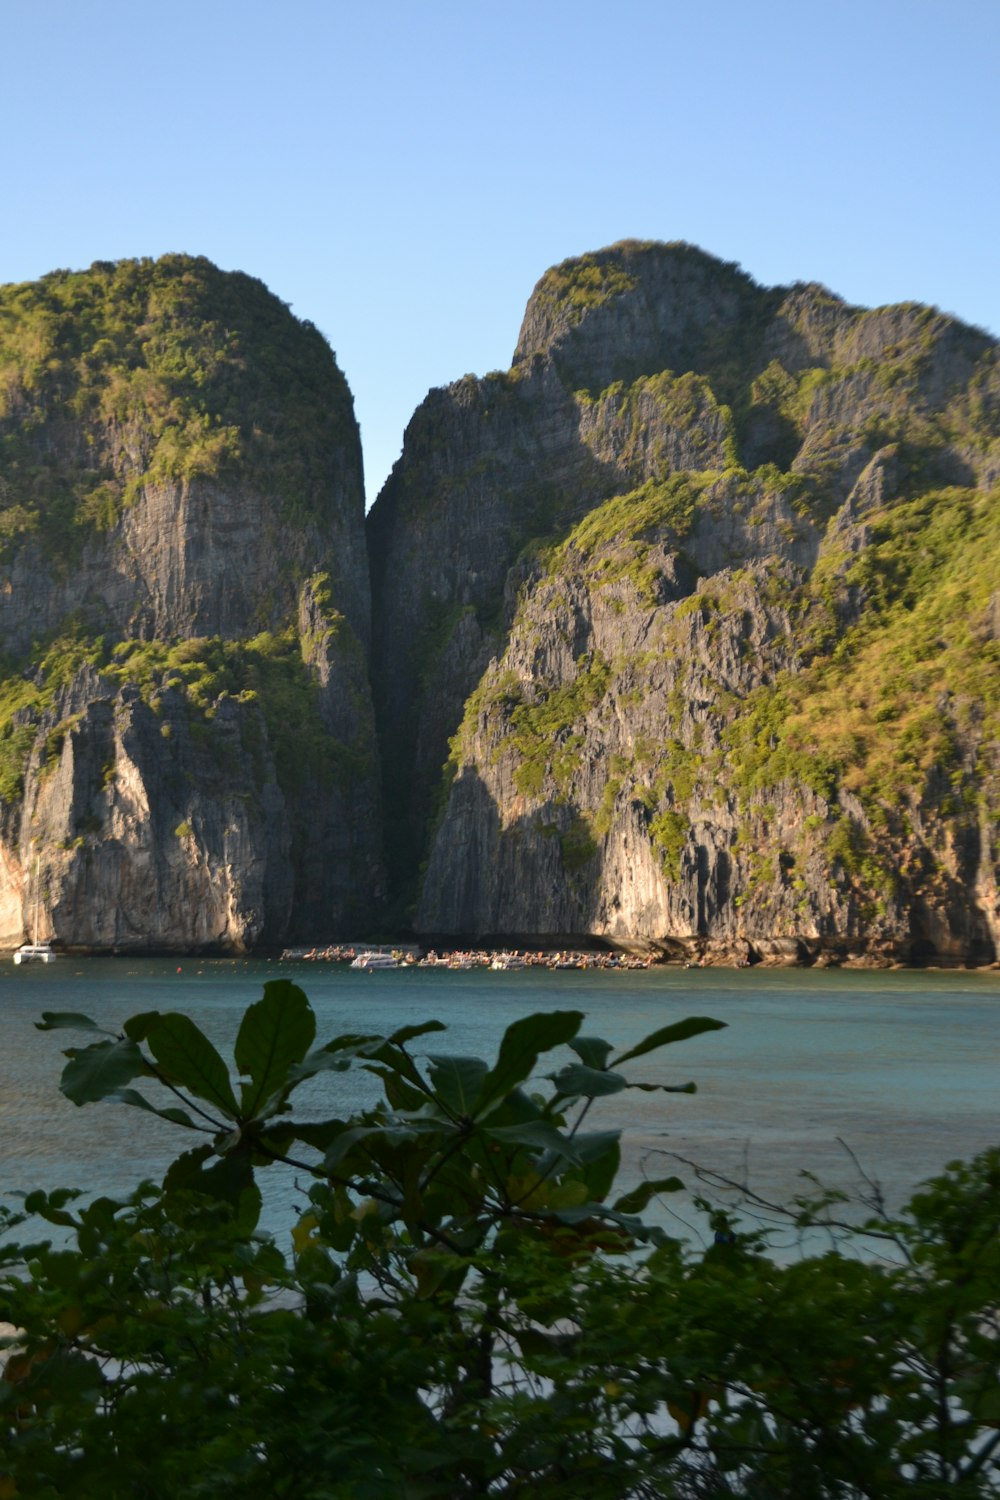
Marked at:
<point>686,1412</point>
<point>70,1321</point>
<point>304,1233</point>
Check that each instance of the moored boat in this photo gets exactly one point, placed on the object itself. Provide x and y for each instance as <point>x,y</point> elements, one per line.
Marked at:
<point>505,961</point>
<point>375,960</point>
<point>35,953</point>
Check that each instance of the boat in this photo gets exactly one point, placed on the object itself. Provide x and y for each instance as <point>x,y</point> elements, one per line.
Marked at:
<point>504,961</point>
<point>375,960</point>
<point>35,952</point>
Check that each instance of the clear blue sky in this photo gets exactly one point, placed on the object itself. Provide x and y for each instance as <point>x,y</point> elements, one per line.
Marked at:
<point>402,173</point>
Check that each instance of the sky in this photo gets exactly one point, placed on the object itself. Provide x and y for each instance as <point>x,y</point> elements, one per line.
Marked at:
<point>402,172</point>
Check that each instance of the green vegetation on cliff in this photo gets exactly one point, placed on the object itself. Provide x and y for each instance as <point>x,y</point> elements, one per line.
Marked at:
<point>575,286</point>
<point>784,552</point>
<point>184,607</point>
<point>660,505</point>
<point>141,372</point>
<point>586,282</point>
<point>887,706</point>
<point>199,673</point>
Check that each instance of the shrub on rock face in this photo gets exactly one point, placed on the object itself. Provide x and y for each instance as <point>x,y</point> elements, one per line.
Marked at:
<point>466,1308</point>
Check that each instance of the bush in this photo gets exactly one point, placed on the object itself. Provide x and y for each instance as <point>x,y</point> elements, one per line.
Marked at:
<point>466,1310</point>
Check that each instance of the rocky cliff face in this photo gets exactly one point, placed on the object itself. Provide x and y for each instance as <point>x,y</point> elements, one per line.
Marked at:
<point>696,605</point>
<point>186,739</point>
<point>713,570</point>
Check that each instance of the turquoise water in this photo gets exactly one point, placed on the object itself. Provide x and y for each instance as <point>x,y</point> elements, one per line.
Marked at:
<point>901,1067</point>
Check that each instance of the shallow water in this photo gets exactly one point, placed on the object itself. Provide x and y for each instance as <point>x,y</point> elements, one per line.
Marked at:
<point>899,1066</point>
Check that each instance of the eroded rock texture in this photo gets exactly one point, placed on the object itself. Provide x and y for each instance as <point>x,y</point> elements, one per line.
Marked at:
<point>702,596</point>
<point>186,746</point>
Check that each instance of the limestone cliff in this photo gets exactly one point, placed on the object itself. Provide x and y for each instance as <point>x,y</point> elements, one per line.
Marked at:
<point>696,605</point>
<point>703,593</point>
<point>186,739</point>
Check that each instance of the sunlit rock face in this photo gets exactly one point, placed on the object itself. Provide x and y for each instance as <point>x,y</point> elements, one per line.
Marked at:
<point>682,632</point>
<point>697,607</point>
<point>186,748</point>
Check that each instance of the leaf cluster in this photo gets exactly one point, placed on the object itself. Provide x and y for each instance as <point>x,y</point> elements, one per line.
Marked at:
<point>455,1148</point>
<point>172,1321</point>
<point>467,1309</point>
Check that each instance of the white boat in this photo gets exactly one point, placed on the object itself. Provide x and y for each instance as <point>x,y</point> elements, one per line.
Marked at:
<point>375,960</point>
<point>35,952</point>
<point>509,961</point>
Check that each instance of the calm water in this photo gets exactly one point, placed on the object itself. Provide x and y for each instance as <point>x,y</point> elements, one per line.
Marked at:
<point>901,1067</point>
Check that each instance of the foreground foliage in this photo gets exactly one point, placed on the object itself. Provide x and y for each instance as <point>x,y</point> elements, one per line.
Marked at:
<point>466,1309</point>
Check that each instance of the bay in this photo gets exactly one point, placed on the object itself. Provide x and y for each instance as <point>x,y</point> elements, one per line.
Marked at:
<point>817,1071</point>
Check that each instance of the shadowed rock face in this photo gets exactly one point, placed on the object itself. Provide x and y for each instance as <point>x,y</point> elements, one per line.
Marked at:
<point>190,558</point>
<point>184,609</point>
<point>696,605</point>
<point>701,594</point>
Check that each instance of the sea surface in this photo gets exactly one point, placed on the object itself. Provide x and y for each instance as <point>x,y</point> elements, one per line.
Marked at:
<point>854,1077</point>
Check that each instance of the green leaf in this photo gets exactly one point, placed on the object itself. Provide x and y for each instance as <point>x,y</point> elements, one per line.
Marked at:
<point>51,1206</point>
<point>275,1032</point>
<point>388,1057</point>
<point>600,1168</point>
<point>229,1180</point>
<point>595,1153</point>
<point>398,1093</point>
<point>433,1268</point>
<point>67,1020</point>
<point>635,1201</point>
<point>345,1141</point>
<point>319,1135</point>
<point>137,1027</point>
<point>537,1134</point>
<point>137,1100</point>
<point>408,1033</point>
<point>981,1400</point>
<point>186,1057</point>
<point>336,1056</point>
<point>521,1046</point>
<point>186,1168</point>
<point>592,1145</point>
<point>592,1050</point>
<point>65,1376</point>
<point>516,1107</point>
<point>578,1081</point>
<point>680,1031</point>
<point>535,1344</point>
<point>98,1072</point>
<point>457,1081</point>
<point>632,1226</point>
